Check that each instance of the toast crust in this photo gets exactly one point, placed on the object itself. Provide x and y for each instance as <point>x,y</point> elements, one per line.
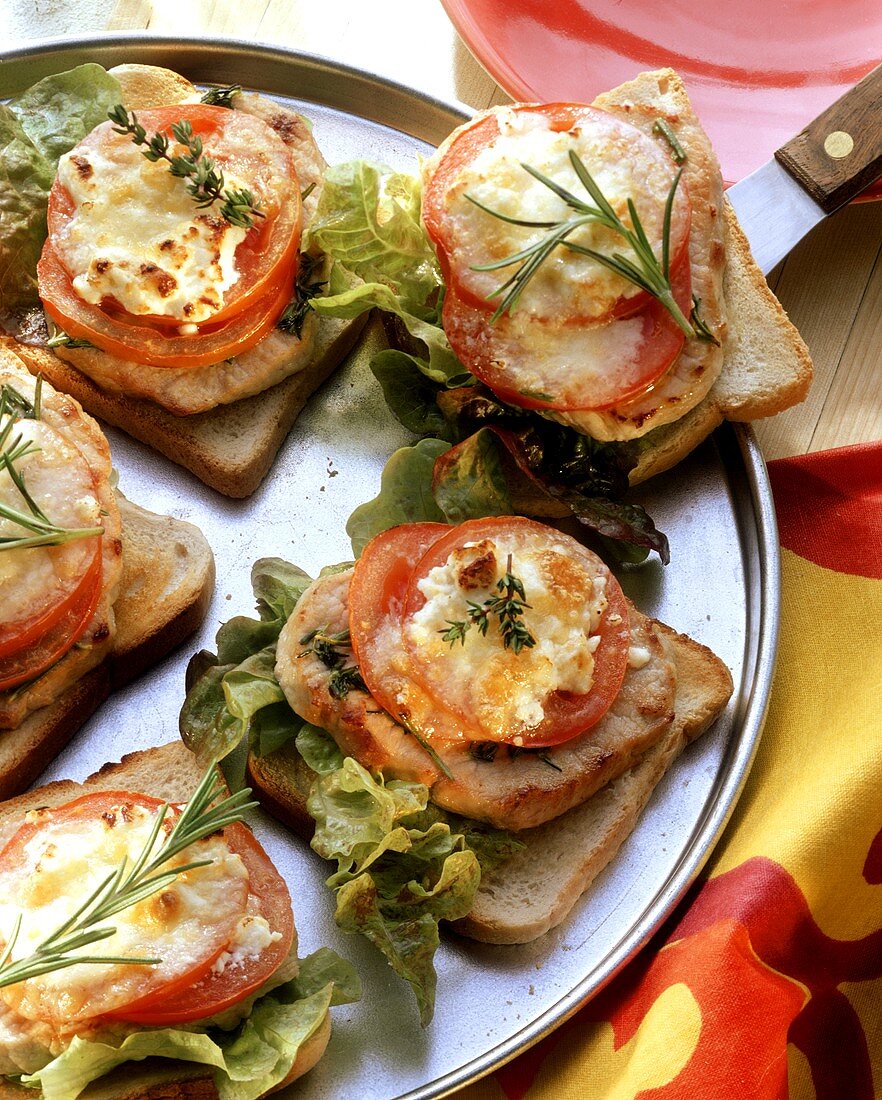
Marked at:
<point>169,772</point>
<point>167,583</point>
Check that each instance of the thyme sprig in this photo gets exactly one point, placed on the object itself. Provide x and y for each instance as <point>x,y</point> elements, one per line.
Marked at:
<point>221,97</point>
<point>41,531</point>
<point>305,289</point>
<point>128,885</point>
<point>644,270</point>
<point>508,607</point>
<point>327,647</point>
<point>206,181</point>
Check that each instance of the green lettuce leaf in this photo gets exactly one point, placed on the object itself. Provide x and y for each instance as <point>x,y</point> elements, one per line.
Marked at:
<point>207,727</point>
<point>234,700</point>
<point>58,112</point>
<point>368,219</point>
<point>405,494</point>
<point>246,1062</point>
<point>272,727</point>
<point>25,179</point>
<point>278,586</point>
<point>320,751</point>
<point>440,364</point>
<point>394,882</point>
<point>469,482</point>
<point>252,685</point>
<point>410,393</point>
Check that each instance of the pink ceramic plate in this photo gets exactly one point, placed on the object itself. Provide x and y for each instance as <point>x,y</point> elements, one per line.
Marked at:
<point>757,70</point>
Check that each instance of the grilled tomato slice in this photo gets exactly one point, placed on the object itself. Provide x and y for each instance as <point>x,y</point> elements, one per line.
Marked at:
<point>218,930</point>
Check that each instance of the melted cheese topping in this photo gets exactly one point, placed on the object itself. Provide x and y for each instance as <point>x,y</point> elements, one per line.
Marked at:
<point>65,861</point>
<point>506,691</point>
<point>623,162</point>
<point>60,482</point>
<point>138,236</point>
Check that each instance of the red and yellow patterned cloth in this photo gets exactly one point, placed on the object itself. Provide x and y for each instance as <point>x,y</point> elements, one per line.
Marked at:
<point>766,983</point>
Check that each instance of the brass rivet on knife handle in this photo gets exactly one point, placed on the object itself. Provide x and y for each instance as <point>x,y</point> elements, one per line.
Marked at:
<point>840,153</point>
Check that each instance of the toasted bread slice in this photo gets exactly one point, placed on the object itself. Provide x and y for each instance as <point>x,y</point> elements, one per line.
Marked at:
<point>536,889</point>
<point>766,365</point>
<point>169,772</point>
<point>167,583</point>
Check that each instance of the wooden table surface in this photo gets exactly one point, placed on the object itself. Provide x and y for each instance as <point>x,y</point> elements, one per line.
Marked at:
<point>831,284</point>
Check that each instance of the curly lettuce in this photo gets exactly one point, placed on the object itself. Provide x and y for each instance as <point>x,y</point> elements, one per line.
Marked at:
<point>402,865</point>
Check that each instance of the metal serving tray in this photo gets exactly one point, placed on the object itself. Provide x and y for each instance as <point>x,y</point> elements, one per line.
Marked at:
<point>722,588</point>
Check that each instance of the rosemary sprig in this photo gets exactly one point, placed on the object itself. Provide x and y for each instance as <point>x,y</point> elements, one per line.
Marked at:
<point>41,531</point>
<point>663,129</point>
<point>508,607</point>
<point>126,886</point>
<point>702,332</point>
<point>300,306</point>
<point>644,270</point>
<point>221,97</point>
<point>417,736</point>
<point>206,180</point>
<point>60,339</point>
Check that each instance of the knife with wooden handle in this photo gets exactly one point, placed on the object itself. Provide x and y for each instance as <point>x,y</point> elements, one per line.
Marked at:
<point>821,169</point>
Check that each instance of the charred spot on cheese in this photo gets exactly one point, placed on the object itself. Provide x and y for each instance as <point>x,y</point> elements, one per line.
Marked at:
<point>137,237</point>
<point>475,566</point>
<point>626,165</point>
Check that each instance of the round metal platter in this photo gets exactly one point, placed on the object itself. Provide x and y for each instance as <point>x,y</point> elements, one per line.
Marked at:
<point>722,588</point>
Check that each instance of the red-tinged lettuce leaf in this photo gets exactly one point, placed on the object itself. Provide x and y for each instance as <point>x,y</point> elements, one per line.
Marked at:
<point>554,462</point>
<point>616,520</point>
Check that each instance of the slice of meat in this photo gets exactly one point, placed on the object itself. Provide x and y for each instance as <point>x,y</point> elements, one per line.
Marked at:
<point>510,792</point>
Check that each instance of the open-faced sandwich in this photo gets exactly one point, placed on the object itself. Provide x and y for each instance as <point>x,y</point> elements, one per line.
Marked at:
<point>469,721</point>
<point>574,299</point>
<point>93,589</point>
<point>151,926</point>
<point>169,227</point>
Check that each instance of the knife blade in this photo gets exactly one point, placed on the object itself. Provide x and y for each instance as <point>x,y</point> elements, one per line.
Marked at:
<point>815,173</point>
